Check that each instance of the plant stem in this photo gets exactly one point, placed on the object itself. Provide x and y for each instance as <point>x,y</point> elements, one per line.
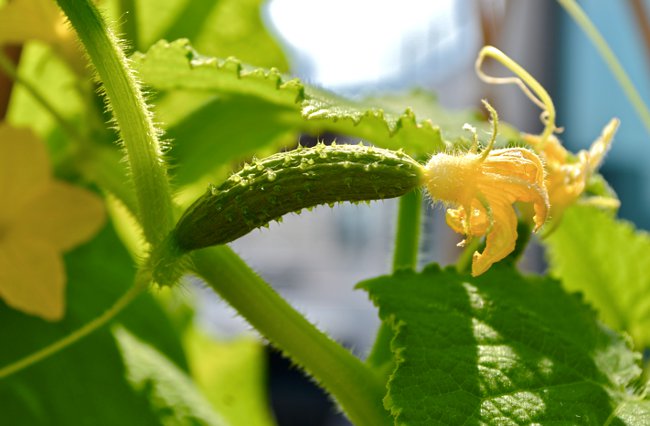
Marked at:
<point>31,359</point>
<point>138,133</point>
<point>356,388</point>
<point>610,59</point>
<point>407,238</point>
<point>464,262</point>
<point>405,256</point>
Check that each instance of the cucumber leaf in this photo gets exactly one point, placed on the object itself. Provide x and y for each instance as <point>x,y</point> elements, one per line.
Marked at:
<point>276,106</point>
<point>609,261</point>
<point>502,349</point>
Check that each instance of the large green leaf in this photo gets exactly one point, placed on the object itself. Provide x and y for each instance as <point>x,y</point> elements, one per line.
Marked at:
<point>502,349</point>
<point>221,131</point>
<point>85,383</point>
<point>609,261</point>
<point>275,106</point>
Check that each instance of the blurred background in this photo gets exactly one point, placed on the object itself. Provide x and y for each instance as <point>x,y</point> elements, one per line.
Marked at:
<point>315,259</point>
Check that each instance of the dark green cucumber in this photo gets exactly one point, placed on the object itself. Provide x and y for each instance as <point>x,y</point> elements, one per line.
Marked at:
<point>290,181</point>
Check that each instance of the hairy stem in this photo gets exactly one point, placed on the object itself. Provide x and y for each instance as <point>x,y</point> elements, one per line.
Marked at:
<point>355,386</point>
<point>138,133</point>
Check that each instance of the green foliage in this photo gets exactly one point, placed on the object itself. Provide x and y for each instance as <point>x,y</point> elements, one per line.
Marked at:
<point>276,106</point>
<point>609,261</point>
<point>218,28</point>
<point>72,387</point>
<point>232,376</point>
<point>502,349</point>
<point>171,393</point>
<point>497,349</point>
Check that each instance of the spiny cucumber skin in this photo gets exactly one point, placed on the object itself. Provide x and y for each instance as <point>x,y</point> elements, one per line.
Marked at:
<point>291,181</point>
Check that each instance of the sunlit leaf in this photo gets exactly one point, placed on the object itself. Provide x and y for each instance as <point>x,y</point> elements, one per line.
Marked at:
<point>609,261</point>
<point>274,106</point>
<point>232,376</point>
<point>502,349</point>
<point>220,28</point>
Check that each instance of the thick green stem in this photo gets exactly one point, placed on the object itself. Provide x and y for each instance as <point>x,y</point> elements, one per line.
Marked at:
<point>138,133</point>
<point>407,238</point>
<point>356,388</point>
<point>608,55</point>
<point>405,256</point>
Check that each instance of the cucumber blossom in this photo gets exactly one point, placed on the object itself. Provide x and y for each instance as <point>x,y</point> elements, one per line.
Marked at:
<point>267,189</point>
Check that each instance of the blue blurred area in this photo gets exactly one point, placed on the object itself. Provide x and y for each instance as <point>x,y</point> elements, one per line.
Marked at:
<point>588,96</point>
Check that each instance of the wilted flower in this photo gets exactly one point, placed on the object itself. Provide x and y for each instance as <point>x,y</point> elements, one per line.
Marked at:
<point>39,219</point>
<point>482,188</point>
<point>568,175</point>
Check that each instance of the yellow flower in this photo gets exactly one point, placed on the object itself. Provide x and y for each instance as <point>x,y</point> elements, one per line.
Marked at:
<point>568,175</point>
<point>482,188</point>
<point>40,218</point>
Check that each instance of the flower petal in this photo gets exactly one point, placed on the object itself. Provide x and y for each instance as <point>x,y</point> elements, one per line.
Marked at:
<point>24,169</point>
<point>478,224</point>
<point>32,277</point>
<point>500,242</point>
<point>63,215</point>
<point>507,190</point>
<point>601,145</point>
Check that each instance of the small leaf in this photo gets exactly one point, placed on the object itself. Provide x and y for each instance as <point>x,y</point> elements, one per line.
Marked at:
<point>501,349</point>
<point>171,393</point>
<point>609,261</point>
<point>232,376</point>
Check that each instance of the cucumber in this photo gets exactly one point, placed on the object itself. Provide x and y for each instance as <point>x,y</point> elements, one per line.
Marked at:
<point>265,190</point>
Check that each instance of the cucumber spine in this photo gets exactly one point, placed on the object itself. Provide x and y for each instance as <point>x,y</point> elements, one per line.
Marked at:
<point>267,189</point>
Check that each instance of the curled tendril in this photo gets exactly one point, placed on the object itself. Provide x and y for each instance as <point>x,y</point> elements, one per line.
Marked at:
<point>526,82</point>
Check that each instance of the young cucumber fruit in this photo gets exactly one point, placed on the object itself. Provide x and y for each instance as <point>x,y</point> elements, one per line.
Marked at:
<point>290,181</point>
